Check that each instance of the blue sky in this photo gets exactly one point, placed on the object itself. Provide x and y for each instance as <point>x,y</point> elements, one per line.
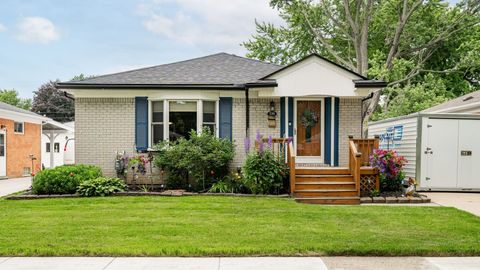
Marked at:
<point>43,40</point>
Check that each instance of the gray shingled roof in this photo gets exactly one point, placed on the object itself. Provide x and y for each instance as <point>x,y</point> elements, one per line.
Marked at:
<point>467,99</point>
<point>216,69</point>
<point>8,107</point>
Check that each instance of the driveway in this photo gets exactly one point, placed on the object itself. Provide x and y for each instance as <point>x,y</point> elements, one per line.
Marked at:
<point>9,186</point>
<point>469,202</point>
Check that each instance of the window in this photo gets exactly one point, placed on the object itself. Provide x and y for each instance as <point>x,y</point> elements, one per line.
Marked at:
<point>27,171</point>
<point>183,118</point>
<point>157,121</point>
<point>47,147</point>
<point>56,147</point>
<point>18,127</point>
<point>209,115</point>
<point>2,145</point>
<point>173,119</point>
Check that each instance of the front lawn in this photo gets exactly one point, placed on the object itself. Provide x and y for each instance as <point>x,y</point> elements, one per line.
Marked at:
<point>238,226</point>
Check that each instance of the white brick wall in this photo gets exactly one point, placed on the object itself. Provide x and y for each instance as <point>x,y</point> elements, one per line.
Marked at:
<point>350,123</point>
<point>103,126</point>
<point>259,107</point>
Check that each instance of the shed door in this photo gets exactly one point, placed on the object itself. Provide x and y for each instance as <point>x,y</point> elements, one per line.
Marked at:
<point>469,154</point>
<point>3,154</point>
<point>441,153</point>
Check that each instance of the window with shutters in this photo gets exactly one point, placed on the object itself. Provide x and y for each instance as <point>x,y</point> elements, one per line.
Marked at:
<point>182,117</point>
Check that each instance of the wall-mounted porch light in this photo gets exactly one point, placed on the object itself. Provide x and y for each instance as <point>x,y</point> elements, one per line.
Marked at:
<point>272,116</point>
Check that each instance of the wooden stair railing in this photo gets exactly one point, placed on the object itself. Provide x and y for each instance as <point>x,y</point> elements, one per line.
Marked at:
<point>354,163</point>
<point>291,166</point>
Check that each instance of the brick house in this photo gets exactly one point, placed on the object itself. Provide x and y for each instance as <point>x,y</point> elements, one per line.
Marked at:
<point>314,100</point>
<point>20,136</point>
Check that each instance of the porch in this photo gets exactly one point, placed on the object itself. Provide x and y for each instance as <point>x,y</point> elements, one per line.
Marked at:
<point>325,184</point>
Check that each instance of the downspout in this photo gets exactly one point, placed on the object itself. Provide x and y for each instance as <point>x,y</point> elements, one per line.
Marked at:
<point>247,114</point>
<point>362,112</point>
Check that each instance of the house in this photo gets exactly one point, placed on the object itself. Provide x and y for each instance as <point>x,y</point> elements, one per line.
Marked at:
<point>469,103</point>
<point>58,148</point>
<point>20,135</point>
<point>315,101</point>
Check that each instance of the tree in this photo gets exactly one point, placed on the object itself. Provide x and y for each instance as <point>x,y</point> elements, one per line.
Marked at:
<point>400,41</point>
<point>11,97</point>
<point>53,103</point>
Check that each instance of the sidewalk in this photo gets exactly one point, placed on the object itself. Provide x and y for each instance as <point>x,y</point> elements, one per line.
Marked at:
<point>240,263</point>
<point>9,186</point>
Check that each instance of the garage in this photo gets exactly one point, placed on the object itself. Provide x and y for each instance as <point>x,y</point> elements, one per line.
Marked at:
<point>443,150</point>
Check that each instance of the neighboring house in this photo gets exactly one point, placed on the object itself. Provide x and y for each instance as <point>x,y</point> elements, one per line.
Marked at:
<point>314,100</point>
<point>61,148</point>
<point>469,103</point>
<point>20,136</point>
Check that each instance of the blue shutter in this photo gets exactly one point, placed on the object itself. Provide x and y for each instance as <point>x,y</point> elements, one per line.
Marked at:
<point>336,128</point>
<point>328,131</point>
<point>282,117</point>
<point>225,117</point>
<point>290,117</point>
<point>141,123</point>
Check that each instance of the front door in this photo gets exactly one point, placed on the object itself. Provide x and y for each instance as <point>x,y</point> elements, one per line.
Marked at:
<point>309,130</point>
<point>3,154</point>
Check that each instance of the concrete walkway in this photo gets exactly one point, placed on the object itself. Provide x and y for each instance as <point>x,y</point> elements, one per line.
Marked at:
<point>9,186</point>
<point>241,263</point>
<point>469,202</point>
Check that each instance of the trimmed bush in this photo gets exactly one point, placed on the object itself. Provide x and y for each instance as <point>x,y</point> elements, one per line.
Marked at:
<point>101,186</point>
<point>203,157</point>
<point>63,179</point>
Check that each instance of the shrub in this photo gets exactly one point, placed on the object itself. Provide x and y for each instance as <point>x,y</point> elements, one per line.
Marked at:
<point>389,165</point>
<point>232,183</point>
<point>203,157</point>
<point>264,171</point>
<point>101,186</point>
<point>63,179</point>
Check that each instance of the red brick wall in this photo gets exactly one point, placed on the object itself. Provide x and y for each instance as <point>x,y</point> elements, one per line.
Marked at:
<point>20,146</point>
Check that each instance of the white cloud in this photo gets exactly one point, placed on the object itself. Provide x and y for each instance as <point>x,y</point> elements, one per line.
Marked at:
<point>213,23</point>
<point>2,28</point>
<point>37,30</point>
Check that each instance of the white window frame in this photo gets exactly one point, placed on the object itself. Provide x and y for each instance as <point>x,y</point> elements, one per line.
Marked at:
<point>166,116</point>
<point>23,127</point>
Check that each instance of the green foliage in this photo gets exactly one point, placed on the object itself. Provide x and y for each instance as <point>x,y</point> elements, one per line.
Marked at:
<point>375,193</point>
<point>232,183</point>
<point>436,59</point>
<point>203,157</point>
<point>101,186</point>
<point>63,179</point>
<point>11,97</point>
<point>264,172</point>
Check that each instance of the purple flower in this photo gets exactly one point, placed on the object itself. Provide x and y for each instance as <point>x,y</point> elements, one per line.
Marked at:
<point>270,141</point>
<point>247,143</point>
<point>290,139</point>
<point>259,136</point>
<point>261,148</point>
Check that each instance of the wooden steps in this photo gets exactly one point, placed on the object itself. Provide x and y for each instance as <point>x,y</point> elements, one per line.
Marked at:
<point>325,185</point>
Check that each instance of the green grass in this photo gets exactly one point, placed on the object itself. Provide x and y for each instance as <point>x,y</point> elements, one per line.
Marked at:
<point>236,226</point>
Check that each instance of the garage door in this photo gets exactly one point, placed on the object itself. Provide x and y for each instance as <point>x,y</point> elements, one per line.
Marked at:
<point>441,153</point>
<point>469,154</point>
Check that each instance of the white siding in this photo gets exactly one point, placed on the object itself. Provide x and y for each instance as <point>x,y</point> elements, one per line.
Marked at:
<point>405,143</point>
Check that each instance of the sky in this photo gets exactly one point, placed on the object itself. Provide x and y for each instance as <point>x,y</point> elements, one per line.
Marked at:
<point>42,40</point>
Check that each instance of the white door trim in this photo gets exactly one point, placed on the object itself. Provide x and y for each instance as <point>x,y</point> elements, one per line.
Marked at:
<point>3,163</point>
<point>310,159</point>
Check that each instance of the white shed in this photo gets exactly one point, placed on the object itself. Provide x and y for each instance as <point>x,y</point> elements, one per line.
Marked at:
<point>57,143</point>
<point>443,150</point>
